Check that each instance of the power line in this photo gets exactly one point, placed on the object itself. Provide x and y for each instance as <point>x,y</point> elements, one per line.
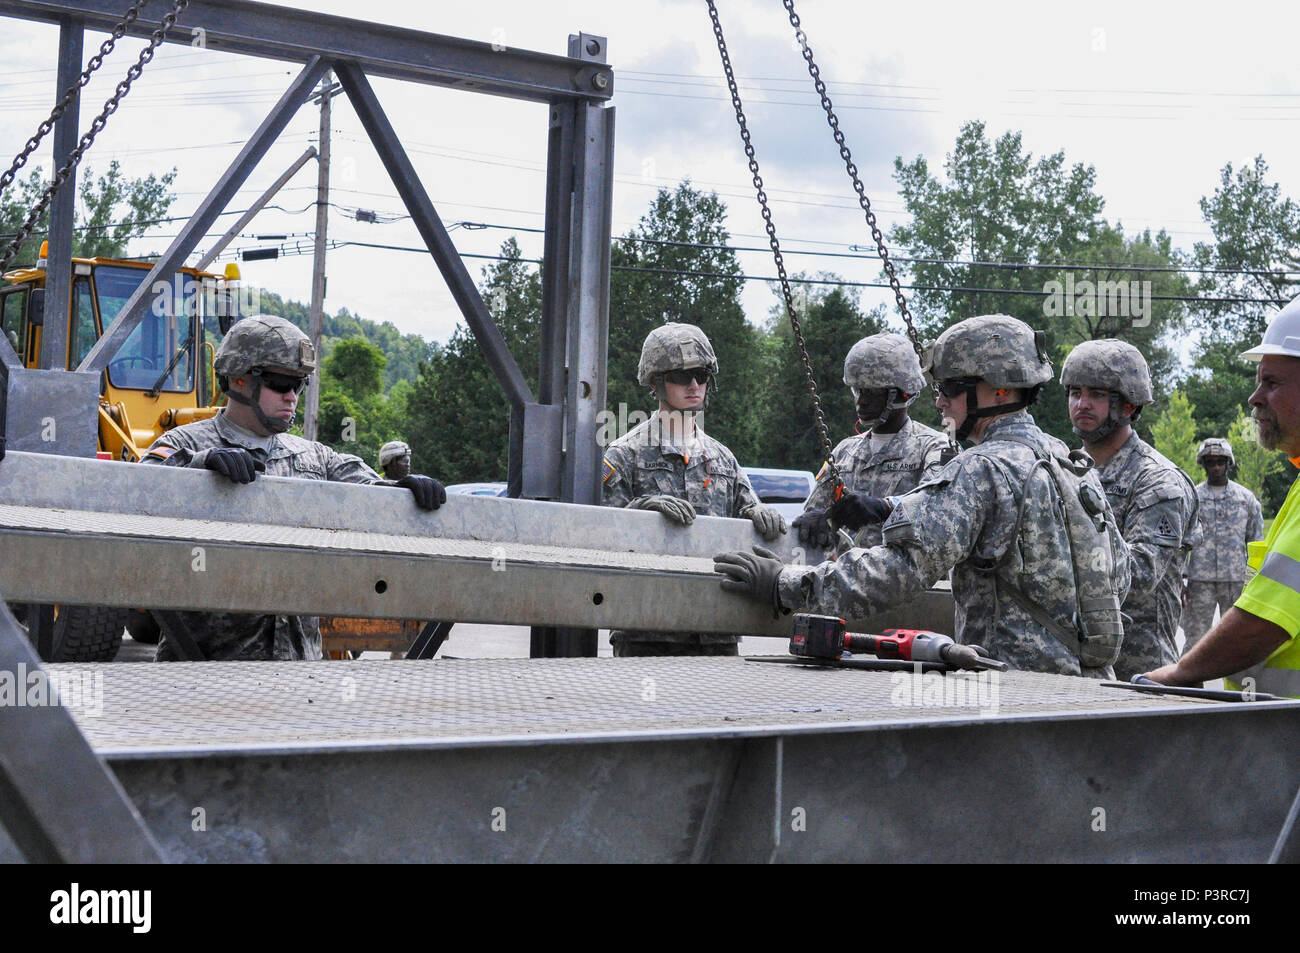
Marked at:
<point>297,249</point>
<point>1059,266</point>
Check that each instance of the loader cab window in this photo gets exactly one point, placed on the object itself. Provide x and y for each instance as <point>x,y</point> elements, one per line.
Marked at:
<point>161,348</point>
<point>15,320</point>
<point>83,334</point>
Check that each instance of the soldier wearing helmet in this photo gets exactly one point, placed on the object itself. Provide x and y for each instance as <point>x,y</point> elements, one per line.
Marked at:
<point>1230,517</point>
<point>1108,384</point>
<point>1038,566</point>
<point>263,364</point>
<point>889,456</point>
<point>395,459</point>
<point>669,464</point>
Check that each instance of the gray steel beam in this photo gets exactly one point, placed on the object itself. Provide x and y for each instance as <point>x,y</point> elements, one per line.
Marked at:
<point>264,29</point>
<point>233,232</point>
<point>58,267</point>
<point>588,324</point>
<point>58,801</point>
<point>72,532</point>
<point>425,216</point>
<point>205,215</point>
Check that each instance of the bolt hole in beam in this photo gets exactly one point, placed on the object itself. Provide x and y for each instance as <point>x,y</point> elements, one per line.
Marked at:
<point>586,388</point>
<point>381,587</point>
<point>598,598</point>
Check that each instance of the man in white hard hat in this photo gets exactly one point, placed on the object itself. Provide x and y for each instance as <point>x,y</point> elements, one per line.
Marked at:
<point>1254,646</point>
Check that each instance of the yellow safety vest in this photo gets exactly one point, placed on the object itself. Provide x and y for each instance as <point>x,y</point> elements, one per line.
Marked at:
<point>1274,594</point>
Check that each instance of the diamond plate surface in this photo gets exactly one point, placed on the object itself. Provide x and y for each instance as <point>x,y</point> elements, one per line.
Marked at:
<point>220,707</point>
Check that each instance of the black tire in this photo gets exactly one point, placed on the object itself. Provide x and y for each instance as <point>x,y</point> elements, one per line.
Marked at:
<point>85,633</point>
<point>142,626</point>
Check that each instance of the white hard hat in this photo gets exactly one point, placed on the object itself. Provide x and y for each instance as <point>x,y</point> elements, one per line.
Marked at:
<point>1282,336</point>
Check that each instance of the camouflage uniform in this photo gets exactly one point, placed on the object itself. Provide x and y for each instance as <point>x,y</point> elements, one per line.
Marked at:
<point>1153,500</point>
<point>964,520</point>
<point>241,636</point>
<point>1216,570</point>
<point>915,454</point>
<point>645,463</point>
<point>1155,504</point>
<point>255,344</point>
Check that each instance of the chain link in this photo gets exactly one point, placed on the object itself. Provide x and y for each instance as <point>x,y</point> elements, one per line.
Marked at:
<point>818,415</point>
<point>96,125</point>
<point>834,122</point>
<point>70,94</point>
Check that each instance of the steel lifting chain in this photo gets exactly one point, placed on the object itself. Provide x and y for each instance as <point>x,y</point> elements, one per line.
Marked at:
<point>96,126</point>
<point>852,169</point>
<point>818,415</point>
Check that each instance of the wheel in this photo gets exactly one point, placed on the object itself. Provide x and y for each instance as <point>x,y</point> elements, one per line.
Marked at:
<point>142,626</point>
<point>83,633</point>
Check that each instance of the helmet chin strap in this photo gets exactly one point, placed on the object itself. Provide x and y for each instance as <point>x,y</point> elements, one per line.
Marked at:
<point>255,401</point>
<point>974,412</point>
<point>1107,427</point>
<point>895,399</point>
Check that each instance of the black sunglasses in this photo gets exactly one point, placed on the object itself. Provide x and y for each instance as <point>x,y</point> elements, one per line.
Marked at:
<point>955,386</point>
<point>698,374</point>
<point>283,383</point>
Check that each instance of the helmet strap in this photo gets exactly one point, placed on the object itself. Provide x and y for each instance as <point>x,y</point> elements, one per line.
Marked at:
<point>974,412</point>
<point>1114,420</point>
<point>255,401</point>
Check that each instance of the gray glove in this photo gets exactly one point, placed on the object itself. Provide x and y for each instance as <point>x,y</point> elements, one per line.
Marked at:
<point>753,575</point>
<point>769,523</point>
<point>679,511</point>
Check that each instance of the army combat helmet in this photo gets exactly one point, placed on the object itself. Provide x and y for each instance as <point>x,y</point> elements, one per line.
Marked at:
<point>1112,365</point>
<point>883,362</point>
<point>259,344</point>
<point>1214,447</point>
<point>675,347</point>
<point>997,349</point>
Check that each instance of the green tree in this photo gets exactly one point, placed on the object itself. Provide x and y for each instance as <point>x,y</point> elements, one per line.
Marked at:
<point>457,418</point>
<point>653,284</point>
<point>832,323</point>
<point>1173,433</point>
<point>998,205</point>
<point>356,367</point>
<point>1255,254</point>
<point>111,212</point>
<point>1255,465</point>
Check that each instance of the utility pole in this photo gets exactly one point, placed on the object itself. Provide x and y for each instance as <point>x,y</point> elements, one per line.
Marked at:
<point>328,90</point>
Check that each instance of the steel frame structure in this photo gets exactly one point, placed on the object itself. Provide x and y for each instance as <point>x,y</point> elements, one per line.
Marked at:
<point>553,451</point>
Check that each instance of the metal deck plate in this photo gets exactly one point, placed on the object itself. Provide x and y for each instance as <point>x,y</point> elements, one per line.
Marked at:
<point>217,708</point>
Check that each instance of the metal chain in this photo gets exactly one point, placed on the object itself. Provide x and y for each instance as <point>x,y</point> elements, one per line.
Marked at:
<point>70,94</point>
<point>96,126</point>
<point>852,169</point>
<point>818,415</point>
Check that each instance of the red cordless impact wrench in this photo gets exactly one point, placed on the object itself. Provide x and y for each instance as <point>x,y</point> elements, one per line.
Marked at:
<point>824,636</point>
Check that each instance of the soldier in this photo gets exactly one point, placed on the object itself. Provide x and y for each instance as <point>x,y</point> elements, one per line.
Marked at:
<point>1038,565</point>
<point>395,459</point>
<point>669,464</point>
<point>890,458</point>
<point>1231,517</point>
<point>1154,501</point>
<point>263,364</point>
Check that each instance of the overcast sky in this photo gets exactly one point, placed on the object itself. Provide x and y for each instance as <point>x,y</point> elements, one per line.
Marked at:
<point>1156,96</point>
